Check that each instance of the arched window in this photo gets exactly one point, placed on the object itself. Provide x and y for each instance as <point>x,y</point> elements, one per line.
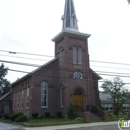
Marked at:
<point>27,96</point>
<point>60,56</point>
<point>17,99</point>
<point>74,55</point>
<point>61,96</point>
<point>14,101</point>
<point>44,95</point>
<point>22,98</point>
<point>79,55</point>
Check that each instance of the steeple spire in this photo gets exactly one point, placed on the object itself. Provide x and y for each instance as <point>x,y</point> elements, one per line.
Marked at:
<point>69,18</point>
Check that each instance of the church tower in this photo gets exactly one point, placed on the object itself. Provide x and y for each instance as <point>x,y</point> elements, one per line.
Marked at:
<point>78,83</point>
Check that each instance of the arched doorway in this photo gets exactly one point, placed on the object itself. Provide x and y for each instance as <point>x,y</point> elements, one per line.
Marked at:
<point>78,100</point>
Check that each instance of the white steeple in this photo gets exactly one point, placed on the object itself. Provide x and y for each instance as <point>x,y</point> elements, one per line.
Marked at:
<point>69,18</point>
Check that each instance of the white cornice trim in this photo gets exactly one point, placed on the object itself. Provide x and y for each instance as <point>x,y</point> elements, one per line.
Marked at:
<point>70,32</point>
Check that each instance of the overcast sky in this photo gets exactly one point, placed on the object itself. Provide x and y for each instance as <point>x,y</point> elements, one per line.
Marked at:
<point>29,25</point>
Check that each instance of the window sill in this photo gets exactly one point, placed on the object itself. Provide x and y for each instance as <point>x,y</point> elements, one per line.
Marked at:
<point>77,64</point>
<point>44,107</point>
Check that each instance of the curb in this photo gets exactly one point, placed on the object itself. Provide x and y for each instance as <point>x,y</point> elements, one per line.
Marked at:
<point>52,124</point>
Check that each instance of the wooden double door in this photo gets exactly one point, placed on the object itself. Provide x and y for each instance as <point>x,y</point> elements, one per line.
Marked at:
<point>78,100</point>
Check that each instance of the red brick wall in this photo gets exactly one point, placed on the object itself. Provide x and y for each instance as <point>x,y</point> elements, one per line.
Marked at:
<point>57,76</point>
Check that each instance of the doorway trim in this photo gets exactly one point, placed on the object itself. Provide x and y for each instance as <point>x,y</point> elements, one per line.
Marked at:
<point>78,99</point>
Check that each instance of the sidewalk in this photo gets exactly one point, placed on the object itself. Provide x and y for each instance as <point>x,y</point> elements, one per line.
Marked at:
<point>81,125</point>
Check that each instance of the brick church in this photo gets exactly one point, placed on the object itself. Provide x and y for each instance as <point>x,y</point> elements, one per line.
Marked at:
<point>67,78</point>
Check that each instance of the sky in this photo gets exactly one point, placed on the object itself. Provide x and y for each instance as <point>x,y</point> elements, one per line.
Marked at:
<point>29,25</point>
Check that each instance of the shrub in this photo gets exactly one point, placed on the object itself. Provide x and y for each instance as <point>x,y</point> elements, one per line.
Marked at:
<point>71,111</point>
<point>59,114</point>
<point>129,114</point>
<point>35,115</point>
<point>21,118</point>
<point>6,116</point>
<point>47,114</point>
<point>110,115</point>
<point>1,116</point>
<point>10,115</point>
<point>14,116</point>
<point>123,112</point>
<point>79,119</point>
<point>41,116</point>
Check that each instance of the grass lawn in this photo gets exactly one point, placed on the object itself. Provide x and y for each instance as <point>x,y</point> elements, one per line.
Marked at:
<point>119,116</point>
<point>47,120</point>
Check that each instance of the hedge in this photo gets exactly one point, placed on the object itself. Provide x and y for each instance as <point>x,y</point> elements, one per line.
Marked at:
<point>47,114</point>
<point>15,115</point>
<point>21,118</point>
<point>35,115</point>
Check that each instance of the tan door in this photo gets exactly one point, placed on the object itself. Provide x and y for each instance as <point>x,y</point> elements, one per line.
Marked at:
<point>78,100</point>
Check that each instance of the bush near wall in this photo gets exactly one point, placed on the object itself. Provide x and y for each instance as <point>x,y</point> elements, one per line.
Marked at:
<point>1,116</point>
<point>47,114</point>
<point>21,118</point>
<point>35,115</point>
<point>6,116</point>
<point>15,115</point>
<point>79,119</point>
<point>59,114</point>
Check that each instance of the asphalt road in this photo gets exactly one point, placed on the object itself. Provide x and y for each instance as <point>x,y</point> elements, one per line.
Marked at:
<point>7,126</point>
<point>110,127</point>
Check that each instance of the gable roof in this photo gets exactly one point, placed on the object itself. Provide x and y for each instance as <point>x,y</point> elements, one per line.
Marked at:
<point>97,75</point>
<point>105,97</point>
<point>29,74</point>
<point>5,95</point>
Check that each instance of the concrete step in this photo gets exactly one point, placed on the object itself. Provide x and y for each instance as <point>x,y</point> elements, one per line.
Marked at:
<point>95,118</point>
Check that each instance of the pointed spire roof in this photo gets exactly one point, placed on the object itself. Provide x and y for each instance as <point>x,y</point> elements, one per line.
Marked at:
<point>69,18</point>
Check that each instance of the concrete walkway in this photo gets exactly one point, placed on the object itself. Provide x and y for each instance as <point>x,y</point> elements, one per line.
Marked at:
<point>81,125</point>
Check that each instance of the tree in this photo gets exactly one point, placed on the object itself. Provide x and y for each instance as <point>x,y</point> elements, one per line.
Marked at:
<point>118,92</point>
<point>128,1</point>
<point>6,86</point>
<point>71,111</point>
<point>4,83</point>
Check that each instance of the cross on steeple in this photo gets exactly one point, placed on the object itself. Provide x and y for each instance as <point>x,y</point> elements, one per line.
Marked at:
<point>69,18</point>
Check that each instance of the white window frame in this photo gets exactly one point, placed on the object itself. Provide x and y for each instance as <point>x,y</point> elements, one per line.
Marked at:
<point>79,55</point>
<point>22,98</point>
<point>27,97</point>
<point>44,94</point>
<point>61,96</point>
<point>126,106</point>
<point>74,54</point>
<point>109,106</point>
<point>60,56</point>
<point>14,101</point>
<point>17,99</point>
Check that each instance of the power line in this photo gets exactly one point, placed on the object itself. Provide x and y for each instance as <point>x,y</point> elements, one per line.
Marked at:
<point>72,70</point>
<point>109,62</point>
<point>23,57</point>
<point>110,67</point>
<point>111,72</point>
<point>11,52</point>
<point>19,63</point>
<point>55,76</point>
<point>48,60</point>
<point>114,75</point>
<point>36,65</point>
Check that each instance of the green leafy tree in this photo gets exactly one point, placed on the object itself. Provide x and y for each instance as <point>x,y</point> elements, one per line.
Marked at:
<point>118,92</point>
<point>4,83</point>
<point>71,111</point>
<point>6,86</point>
